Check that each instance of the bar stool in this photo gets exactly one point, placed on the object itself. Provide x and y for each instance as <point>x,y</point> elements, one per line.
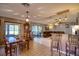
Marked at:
<point>71,45</point>
<point>56,43</point>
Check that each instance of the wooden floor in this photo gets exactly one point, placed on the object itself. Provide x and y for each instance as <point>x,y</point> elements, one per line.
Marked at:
<point>36,49</point>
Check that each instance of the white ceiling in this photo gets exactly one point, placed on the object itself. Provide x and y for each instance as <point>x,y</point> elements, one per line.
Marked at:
<point>39,12</point>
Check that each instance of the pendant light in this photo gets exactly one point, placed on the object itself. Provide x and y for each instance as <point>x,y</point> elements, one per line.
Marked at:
<point>27,18</point>
<point>27,10</point>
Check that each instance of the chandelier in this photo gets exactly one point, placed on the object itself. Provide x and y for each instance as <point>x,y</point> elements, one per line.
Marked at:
<point>27,11</point>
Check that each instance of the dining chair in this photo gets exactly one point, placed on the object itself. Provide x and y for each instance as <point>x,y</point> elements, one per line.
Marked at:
<point>22,44</point>
<point>10,49</point>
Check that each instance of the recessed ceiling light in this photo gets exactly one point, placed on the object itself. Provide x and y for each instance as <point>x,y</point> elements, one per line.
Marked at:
<point>34,16</point>
<point>42,11</point>
<point>39,15</point>
<point>28,16</point>
<point>16,14</point>
<point>7,10</point>
<point>39,8</point>
<point>22,16</point>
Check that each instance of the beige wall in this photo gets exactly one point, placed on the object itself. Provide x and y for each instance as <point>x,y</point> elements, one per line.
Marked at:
<point>2,28</point>
<point>10,20</point>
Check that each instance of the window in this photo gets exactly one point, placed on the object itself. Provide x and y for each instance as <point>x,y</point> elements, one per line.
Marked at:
<point>16,31</point>
<point>36,29</point>
<point>12,29</point>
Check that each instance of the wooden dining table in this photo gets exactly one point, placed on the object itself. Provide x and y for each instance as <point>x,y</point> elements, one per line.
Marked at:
<point>13,40</point>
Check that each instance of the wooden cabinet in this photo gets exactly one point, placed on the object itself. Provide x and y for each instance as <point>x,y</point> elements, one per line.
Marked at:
<point>26,31</point>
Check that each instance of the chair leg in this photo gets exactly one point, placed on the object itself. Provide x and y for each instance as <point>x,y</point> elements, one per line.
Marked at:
<point>6,51</point>
<point>59,52</point>
<point>57,47</point>
<point>16,51</point>
<point>69,50</point>
<point>66,49</point>
<point>75,51</point>
<point>51,50</point>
